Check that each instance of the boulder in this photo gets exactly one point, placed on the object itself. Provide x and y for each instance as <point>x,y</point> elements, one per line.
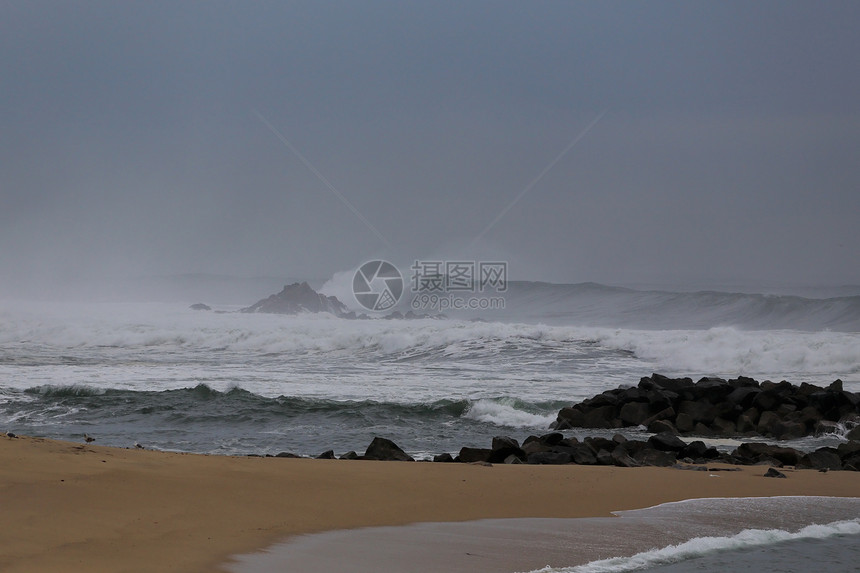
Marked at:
<point>673,384</point>
<point>604,458</point>
<point>753,452</point>
<point>326,455</point>
<point>553,458</point>
<point>699,411</point>
<point>200,306</point>
<point>667,442</point>
<point>724,427</point>
<point>662,426</point>
<point>471,455</point>
<point>820,459</point>
<point>825,427</point>
<point>445,458</point>
<point>621,458</point>
<point>385,449</point>
<point>654,457</point>
<point>582,454</point>
<point>789,430</point>
<point>504,447</point>
<point>684,423</point>
<point>774,473</point>
<point>634,413</point>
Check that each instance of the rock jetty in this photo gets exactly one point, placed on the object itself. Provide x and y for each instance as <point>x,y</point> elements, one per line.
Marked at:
<point>713,407</point>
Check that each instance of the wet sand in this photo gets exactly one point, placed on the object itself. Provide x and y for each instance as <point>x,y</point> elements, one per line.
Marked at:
<point>83,508</point>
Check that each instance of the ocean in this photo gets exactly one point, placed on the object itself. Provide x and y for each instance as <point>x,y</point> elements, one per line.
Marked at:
<point>167,377</point>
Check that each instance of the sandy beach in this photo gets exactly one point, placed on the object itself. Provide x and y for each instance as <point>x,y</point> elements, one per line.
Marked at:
<point>79,507</point>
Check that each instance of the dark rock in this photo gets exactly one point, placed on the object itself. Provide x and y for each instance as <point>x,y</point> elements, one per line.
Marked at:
<point>667,442</point>
<point>512,459</point>
<point>767,400</point>
<point>286,455</point>
<point>774,473</point>
<point>502,442</point>
<point>684,423</point>
<point>836,386</point>
<point>604,458</point>
<point>552,439</point>
<point>853,434</point>
<point>633,447</point>
<point>504,447</point>
<point>848,449</point>
<point>667,414</point>
<point>745,424</point>
<point>553,458</point>
<point>701,429</point>
<point>824,427</point>
<point>789,430</point>
<point>602,417</point>
<point>697,450</point>
<point>634,413</point>
<point>326,455</point>
<point>699,411</point>
<point>743,382</point>
<point>534,447</point>
<point>597,444</point>
<point>583,455</point>
<point>621,458</point>
<point>296,298</point>
<point>200,306</point>
<point>350,455</point>
<point>661,426</point>
<point>470,455</point>
<point>822,458</point>
<point>569,418</point>
<point>444,458</point>
<point>673,384</point>
<point>767,422</point>
<point>385,449</point>
<point>724,427</point>
<point>653,457</point>
<point>754,451</point>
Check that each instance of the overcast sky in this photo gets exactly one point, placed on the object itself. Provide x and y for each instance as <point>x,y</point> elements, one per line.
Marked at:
<point>150,138</point>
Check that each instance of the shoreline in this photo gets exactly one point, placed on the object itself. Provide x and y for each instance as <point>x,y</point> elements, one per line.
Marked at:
<point>79,507</point>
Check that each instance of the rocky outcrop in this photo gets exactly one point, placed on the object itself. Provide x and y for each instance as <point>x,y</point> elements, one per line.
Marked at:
<point>716,407</point>
<point>385,450</point>
<point>297,298</point>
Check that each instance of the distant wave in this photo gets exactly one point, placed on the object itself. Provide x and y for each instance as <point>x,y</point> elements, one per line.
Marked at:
<point>131,336</point>
<point>601,305</point>
<point>704,546</point>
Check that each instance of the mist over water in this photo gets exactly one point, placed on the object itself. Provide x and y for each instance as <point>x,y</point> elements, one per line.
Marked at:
<point>220,381</point>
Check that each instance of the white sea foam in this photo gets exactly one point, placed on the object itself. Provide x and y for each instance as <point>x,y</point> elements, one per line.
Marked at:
<point>703,546</point>
<point>532,361</point>
<point>505,413</point>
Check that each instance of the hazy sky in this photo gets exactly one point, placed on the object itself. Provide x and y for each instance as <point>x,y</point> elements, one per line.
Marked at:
<point>131,138</point>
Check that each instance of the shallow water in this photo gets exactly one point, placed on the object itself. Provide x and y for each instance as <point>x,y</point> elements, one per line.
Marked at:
<point>561,545</point>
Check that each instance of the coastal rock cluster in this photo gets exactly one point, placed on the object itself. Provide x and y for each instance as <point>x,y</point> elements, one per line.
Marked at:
<point>661,450</point>
<point>741,407</point>
<point>296,298</point>
<point>670,407</point>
